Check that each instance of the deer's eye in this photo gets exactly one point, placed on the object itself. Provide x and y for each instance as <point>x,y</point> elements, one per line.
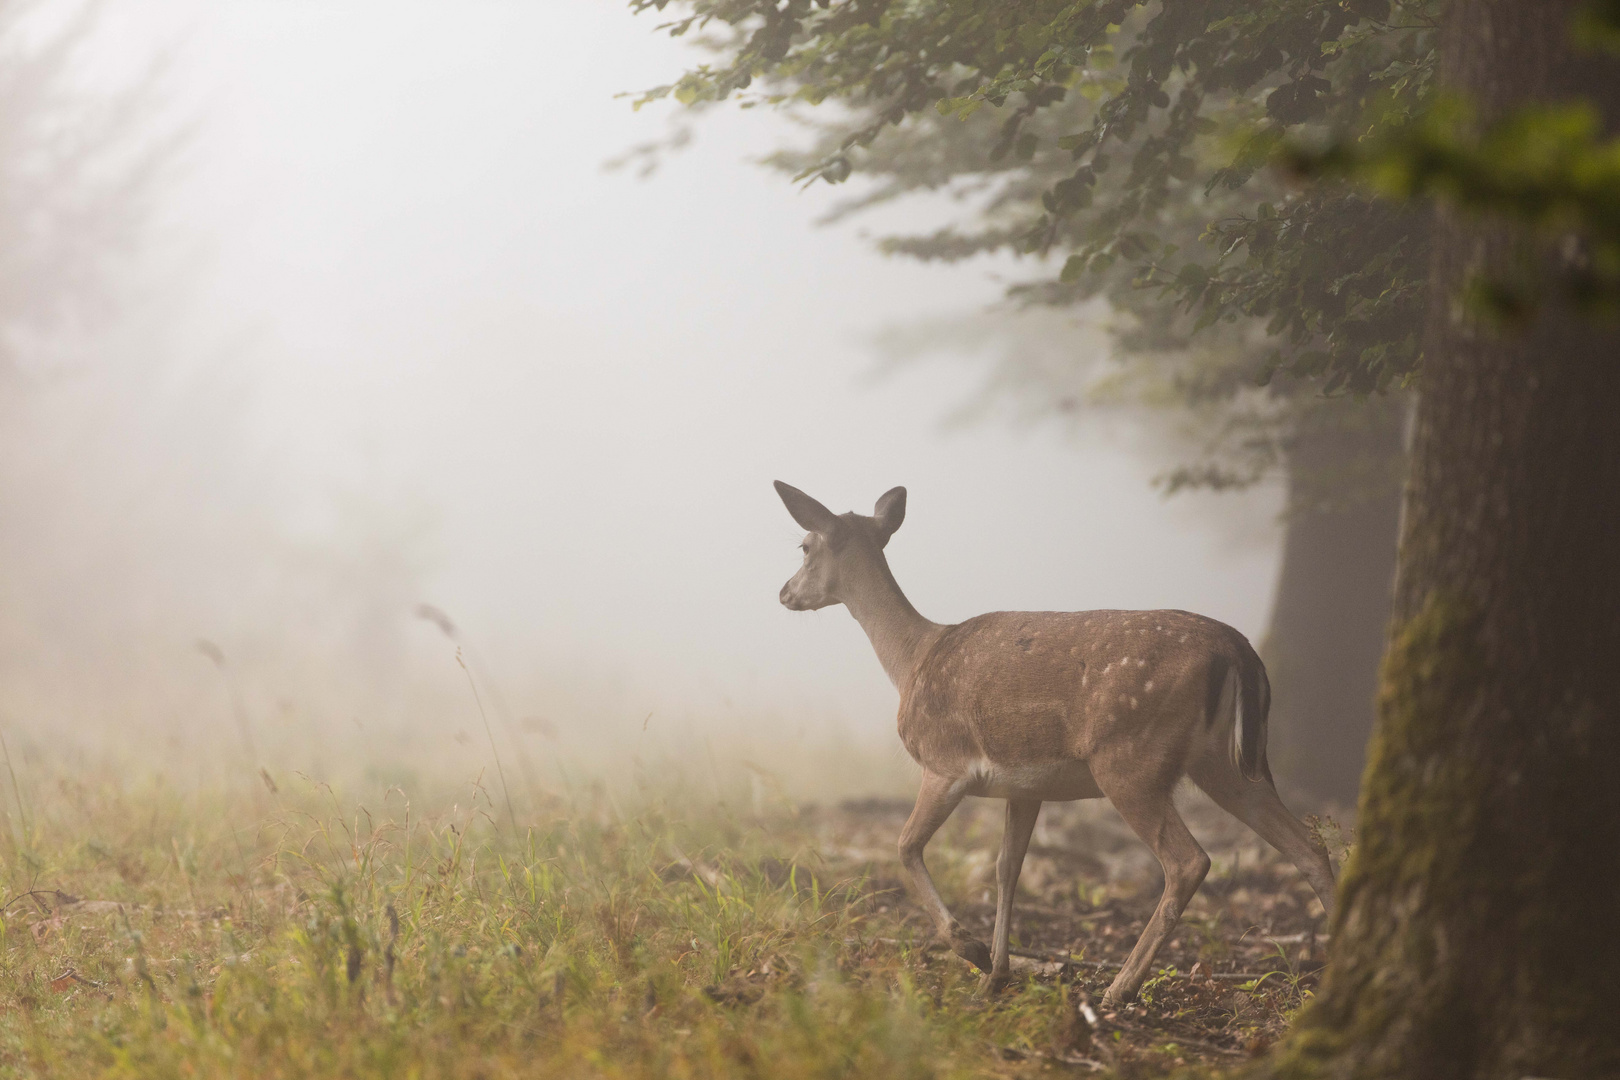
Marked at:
<point>804,546</point>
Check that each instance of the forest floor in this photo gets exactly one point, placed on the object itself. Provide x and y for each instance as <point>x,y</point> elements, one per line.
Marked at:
<point>152,931</point>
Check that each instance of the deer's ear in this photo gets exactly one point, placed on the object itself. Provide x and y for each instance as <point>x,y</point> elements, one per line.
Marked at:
<point>810,514</point>
<point>890,512</point>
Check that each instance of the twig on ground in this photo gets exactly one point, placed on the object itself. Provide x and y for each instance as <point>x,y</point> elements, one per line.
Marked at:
<point>1164,1036</point>
<point>1216,976</point>
<point>62,898</point>
<point>1015,1053</point>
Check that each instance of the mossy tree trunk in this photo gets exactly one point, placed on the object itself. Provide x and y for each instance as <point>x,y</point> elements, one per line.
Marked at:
<point>1331,614</point>
<point>1475,933</point>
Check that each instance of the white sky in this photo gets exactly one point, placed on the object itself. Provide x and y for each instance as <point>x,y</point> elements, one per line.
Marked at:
<point>585,383</point>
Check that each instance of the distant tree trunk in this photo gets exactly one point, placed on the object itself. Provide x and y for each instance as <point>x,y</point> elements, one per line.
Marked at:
<point>1331,614</point>
<point>1474,935</point>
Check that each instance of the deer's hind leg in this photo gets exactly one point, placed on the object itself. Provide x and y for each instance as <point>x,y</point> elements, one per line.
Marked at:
<point>1257,804</point>
<point>1021,815</point>
<point>936,800</point>
<point>1148,809</point>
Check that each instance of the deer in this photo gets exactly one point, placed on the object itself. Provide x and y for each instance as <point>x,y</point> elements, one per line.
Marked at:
<point>1055,706</point>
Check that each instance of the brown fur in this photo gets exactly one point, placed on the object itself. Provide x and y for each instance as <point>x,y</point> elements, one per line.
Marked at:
<point>1021,687</point>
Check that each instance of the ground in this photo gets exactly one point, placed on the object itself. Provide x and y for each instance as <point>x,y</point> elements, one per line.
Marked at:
<point>297,932</point>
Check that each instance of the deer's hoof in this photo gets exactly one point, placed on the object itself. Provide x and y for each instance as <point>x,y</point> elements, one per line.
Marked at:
<point>971,949</point>
<point>994,983</point>
<point>1116,998</point>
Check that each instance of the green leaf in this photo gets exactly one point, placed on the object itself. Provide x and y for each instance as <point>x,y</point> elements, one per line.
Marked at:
<point>1078,143</point>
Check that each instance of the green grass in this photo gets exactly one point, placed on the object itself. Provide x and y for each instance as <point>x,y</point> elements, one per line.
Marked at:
<point>240,933</point>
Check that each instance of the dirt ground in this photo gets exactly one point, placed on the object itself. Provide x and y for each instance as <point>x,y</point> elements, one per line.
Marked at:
<point>1247,953</point>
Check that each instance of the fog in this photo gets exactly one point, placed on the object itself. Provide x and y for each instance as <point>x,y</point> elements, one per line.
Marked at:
<point>394,336</point>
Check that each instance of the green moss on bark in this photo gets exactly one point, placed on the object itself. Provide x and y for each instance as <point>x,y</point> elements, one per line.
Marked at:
<point>1414,804</point>
<point>1485,854</point>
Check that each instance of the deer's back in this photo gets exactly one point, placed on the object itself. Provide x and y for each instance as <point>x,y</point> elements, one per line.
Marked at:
<point>1025,687</point>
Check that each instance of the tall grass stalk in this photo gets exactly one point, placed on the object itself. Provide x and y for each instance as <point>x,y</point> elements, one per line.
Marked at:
<point>16,789</point>
<point>490,734</point>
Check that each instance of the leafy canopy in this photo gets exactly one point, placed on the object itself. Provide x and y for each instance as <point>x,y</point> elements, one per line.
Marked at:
<point>1127,138</point>
<point>1125,144</point>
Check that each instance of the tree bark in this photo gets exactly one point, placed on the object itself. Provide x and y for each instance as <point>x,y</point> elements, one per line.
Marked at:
<point>1331,614</point>
<point>1474,935</point>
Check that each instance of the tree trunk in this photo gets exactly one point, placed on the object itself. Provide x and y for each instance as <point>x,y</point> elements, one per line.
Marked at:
<point>1331,613</point>
<point>1474,935</point>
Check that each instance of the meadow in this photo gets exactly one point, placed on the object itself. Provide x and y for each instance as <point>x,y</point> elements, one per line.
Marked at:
<point>292,929</point>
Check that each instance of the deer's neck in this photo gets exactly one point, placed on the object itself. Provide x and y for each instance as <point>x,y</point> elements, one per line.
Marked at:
<point>899,635</point>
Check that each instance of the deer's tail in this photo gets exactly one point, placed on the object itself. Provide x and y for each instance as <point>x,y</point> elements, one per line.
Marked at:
<point>1250,720</point>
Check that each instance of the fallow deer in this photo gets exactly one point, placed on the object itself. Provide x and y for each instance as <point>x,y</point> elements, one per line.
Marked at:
<point>1034,706</point>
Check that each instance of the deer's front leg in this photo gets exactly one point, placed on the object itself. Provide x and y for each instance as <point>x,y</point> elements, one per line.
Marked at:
<point>1021,815</point>
<point>936,800</point>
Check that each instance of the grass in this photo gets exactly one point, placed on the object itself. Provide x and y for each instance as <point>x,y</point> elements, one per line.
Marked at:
<point>326,939</point>
<point>152,931</point>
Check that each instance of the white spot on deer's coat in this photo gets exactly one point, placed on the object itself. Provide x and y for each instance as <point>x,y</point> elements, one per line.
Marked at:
<point>1141,663</point>
<point>1133,703</point>
<point>1148,689</point>
<point>1183,637</point>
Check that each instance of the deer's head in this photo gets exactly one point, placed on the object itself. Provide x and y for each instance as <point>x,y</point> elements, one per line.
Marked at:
<point>840,550</point>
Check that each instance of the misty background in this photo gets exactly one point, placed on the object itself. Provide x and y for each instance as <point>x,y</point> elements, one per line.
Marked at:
<point>382,331</point>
